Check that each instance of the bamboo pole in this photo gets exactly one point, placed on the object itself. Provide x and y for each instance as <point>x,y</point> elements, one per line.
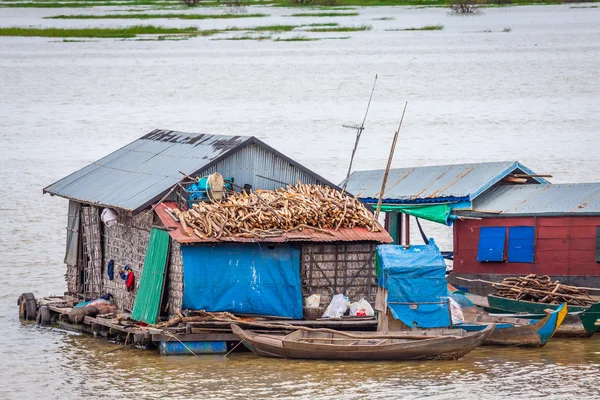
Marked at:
<point>389,164</point>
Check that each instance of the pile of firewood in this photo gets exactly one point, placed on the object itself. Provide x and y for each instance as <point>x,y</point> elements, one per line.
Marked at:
<point>541,289</point>
<point>270,213</point>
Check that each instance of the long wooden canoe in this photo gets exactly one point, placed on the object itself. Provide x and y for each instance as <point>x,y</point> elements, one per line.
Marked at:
<point>445,345</point>
<point>578,323</point>
<point>511,331</point>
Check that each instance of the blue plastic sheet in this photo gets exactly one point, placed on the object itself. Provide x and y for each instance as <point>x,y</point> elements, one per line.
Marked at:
<point>243,278</point>
<point>416,283</point>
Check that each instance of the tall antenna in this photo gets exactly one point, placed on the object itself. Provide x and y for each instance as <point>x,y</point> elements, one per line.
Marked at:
<point>359,130</point>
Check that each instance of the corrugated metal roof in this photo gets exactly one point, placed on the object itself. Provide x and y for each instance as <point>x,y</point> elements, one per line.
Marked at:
<point>433,184</point>
<point>307,235</point>
<point>140,173</point>
<point>539,200</point>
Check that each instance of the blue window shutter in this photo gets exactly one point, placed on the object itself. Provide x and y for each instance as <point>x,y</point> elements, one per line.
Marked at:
<point>491,243</point>
<point>520,244</point>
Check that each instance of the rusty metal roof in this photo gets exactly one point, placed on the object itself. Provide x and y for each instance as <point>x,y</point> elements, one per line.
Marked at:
<point>306,235</point>
<point>140,173</point>
<point>433,184</point>
<point>538,200</point>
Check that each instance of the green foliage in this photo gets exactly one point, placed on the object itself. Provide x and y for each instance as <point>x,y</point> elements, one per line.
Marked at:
<point>127,32</point>
<point>330,14</point>
<point>341,29</point>
<point>157,16</point>
<point>423,28</point>
<point>296,39</point>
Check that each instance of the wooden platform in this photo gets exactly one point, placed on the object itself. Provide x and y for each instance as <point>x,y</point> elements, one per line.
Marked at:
<point>124,330</point>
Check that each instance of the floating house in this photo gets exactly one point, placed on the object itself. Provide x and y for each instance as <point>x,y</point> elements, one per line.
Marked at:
<point>433,192</point>
<point>138,182</point>
<point>506,219</point>
<point>530,229</point>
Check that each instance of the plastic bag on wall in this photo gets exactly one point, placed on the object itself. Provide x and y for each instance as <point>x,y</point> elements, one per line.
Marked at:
<point>456,312</point>
<point>312,301</point>
<point>361,308</point>
<point>338,306</point>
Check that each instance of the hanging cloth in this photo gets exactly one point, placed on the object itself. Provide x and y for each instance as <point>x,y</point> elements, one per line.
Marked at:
<point>130,283</point>
<point>110,270</point>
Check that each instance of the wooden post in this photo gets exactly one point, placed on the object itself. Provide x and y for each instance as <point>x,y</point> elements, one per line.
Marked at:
<point>389,164</point>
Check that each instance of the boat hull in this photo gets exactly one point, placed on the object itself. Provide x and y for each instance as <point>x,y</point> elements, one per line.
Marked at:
<point>511,331</point>
<point>450,347</point>
<point>578,324</point>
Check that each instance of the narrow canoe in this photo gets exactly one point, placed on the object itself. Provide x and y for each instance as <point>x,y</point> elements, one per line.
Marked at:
<point>511,331</point>
<point>578,323</point>
<point>300,344</point>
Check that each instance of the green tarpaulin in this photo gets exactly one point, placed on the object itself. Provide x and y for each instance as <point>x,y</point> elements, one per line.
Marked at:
<point>439,213</point>
<point>149,294</point>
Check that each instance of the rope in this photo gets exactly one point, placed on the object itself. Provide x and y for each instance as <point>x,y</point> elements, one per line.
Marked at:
<point>170,335</point>
<point>234,347</point>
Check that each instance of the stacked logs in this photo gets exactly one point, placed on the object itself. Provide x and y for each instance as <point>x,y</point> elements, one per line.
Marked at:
<point>270,213</point>
<point>541,289</point>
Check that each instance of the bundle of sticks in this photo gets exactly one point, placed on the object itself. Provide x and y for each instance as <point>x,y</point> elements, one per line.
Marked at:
<point>270,213</point>
<point>201,316</point>
<point>541,289</point>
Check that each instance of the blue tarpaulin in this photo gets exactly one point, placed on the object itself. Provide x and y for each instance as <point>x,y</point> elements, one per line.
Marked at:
<point>416,282</point>
<point>243,278</point>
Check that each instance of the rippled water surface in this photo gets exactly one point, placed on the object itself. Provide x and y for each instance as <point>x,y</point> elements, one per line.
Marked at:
<point>475,93</point>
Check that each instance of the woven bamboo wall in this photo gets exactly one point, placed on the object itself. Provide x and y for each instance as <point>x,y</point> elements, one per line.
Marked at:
<point>329,269</point>
<point>92,251</point>
<point>125,243</point>
<point>174,289</point>
<point>72,278</point>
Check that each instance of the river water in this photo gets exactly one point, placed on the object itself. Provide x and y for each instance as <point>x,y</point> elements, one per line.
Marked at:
<point>475,93</point>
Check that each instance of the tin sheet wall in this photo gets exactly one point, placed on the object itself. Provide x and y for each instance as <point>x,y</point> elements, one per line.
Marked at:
<point>248,163</point>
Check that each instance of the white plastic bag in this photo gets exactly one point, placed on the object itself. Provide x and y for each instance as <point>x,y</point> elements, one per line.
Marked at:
<point>109,217</point>
<point>361,308</point>
<point>338,306</point>
<point>312,301</point>
<point>456,312</point>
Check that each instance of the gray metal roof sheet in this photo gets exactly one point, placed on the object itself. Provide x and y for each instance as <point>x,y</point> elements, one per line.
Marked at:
<point>438,183</point>
<point>540,200</point>
<point>139,174</point>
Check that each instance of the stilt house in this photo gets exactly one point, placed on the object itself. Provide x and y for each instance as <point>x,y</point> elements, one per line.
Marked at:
<point>267,277</point>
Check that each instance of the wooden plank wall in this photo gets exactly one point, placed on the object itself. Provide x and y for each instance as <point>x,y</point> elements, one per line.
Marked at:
<point>563,246</point>
<point>329,269</point>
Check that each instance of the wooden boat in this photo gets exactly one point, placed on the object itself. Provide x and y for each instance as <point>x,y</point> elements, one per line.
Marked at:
<point>579,322</point>
<point>511,331</point>
<point>447,344</point>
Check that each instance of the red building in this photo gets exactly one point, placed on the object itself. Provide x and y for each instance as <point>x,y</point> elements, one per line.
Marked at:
<point>521,229</point>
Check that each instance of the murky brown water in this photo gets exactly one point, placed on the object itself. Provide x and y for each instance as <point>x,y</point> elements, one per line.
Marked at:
<point>531,94</point>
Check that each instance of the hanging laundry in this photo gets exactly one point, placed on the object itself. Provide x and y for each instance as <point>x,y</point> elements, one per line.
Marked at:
<point>130,283</point>
<point>110,270</point>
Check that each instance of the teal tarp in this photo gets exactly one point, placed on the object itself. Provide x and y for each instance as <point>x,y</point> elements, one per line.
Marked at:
<point>439,213</point>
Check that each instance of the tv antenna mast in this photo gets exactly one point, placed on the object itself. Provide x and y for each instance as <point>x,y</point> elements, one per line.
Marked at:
<point>359,130</point>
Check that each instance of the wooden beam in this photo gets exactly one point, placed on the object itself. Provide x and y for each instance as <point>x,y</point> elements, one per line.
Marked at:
<point>197,337</point>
